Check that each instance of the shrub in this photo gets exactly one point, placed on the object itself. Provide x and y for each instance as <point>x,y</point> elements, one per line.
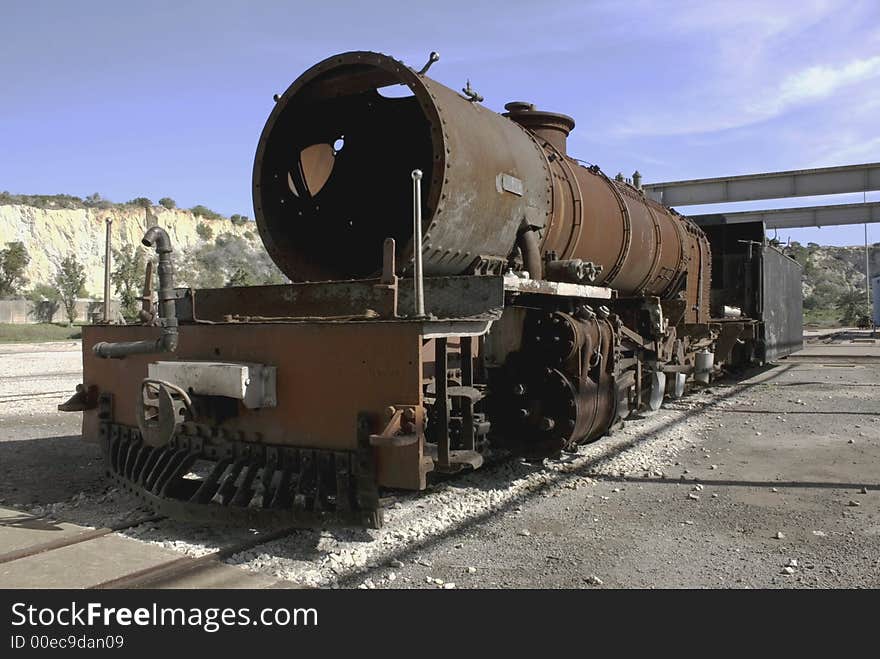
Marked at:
<point>205,212</point>
<point>229,261</point>
<point>168,203</point>
<point>42,200</point>
<point>143,202</point>
<point>46,301</point>
<point>95,200</point>
<point>241,277</point>
<point>853,306</point>
<point>204,231</point>
<point>238,220</point>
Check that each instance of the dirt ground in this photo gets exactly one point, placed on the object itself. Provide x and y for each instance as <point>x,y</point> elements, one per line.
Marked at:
<point>772,481</point>
<point>781,492</point>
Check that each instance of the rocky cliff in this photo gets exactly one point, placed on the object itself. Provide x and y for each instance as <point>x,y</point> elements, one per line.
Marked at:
<point>841,268</point>
<point>51,234</point>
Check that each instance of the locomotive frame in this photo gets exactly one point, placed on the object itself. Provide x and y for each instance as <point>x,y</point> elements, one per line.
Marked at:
<point>557,302</point>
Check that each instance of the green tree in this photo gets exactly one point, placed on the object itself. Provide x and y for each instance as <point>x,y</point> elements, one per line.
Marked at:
<point>168,203</point>
<point>143,202</point>
<point>70,283</point>
<point>238,220</point>
<point>13,262</point>
<point>853,306</point>
<point>128,278</point>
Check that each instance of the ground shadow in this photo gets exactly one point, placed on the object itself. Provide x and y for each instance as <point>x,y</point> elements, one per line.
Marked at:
<point>711,482</point>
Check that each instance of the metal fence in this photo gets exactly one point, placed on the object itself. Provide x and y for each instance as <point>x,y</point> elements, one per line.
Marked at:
<point>27,311</point>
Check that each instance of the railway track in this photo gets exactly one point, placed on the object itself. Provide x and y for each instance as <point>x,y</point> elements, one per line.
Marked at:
<point>84,536</point>
<point>167,573</point>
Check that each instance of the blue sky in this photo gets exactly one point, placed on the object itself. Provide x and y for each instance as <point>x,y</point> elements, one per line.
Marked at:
<point>168,98</point>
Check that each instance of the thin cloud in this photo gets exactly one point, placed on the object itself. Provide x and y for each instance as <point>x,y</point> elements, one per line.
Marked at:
<point>807,86</point>
<point>818,83</point>
<point>855,151</point>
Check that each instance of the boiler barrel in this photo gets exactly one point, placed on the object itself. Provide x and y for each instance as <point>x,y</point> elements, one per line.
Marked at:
<point>641,246</point>
<point>332,181</point>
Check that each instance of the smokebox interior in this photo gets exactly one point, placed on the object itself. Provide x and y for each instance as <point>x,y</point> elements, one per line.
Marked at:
<point>336,172</point>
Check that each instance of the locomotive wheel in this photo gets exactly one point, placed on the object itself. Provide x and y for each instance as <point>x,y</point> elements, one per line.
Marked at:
<point>538,414</point>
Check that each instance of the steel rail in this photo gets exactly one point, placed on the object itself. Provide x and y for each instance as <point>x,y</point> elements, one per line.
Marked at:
<point>178,567</point>
<point>85,536</point>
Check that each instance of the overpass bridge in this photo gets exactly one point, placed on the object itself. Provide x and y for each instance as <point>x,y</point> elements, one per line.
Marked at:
<point>778,185</point>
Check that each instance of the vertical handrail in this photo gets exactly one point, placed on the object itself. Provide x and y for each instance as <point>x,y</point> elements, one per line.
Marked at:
<point>417,243</point>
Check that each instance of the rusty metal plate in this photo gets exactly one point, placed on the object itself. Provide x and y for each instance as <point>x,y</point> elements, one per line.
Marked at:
<point>326,373</point>
<point>445,297</point>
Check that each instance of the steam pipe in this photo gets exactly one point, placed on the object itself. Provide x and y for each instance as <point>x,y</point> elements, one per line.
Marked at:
<point>531,253</point>
<point>167,342</point>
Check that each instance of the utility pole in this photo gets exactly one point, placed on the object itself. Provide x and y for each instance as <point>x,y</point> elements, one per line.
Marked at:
<point>868,283</point>
<point>867,269</point>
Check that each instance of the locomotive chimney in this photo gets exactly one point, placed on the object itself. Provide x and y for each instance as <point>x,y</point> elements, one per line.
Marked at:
<point>549,126</point>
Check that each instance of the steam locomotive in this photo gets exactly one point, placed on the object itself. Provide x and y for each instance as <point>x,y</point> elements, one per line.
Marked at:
<point>458,283</point>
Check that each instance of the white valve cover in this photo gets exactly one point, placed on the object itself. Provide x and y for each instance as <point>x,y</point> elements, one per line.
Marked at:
<point>252,384</point>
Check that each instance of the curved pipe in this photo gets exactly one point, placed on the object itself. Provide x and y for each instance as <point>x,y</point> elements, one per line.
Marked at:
<point>531,253</point>
<point>167,342</point>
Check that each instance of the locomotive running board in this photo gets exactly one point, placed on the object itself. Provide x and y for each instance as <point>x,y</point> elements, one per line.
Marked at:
<point>248,484</point>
